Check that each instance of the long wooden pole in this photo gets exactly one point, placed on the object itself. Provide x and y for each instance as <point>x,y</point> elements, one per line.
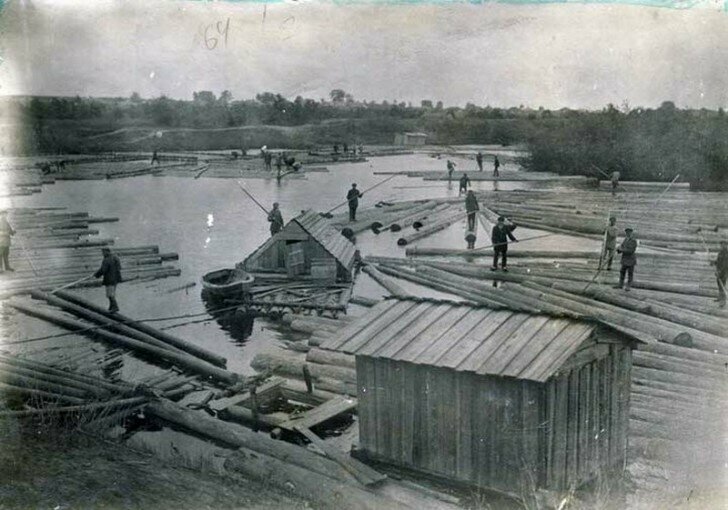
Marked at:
<point>328,213</point>
<point>87,277</point>
<point>253,198</point>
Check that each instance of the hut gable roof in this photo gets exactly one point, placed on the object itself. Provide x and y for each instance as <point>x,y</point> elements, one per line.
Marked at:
<point>321,231</point>
<point>325,234</point>
<point>464,337</point>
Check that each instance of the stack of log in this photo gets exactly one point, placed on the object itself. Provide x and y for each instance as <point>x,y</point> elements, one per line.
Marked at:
<point>53,247</point>
<point>114,169</point>
<point>664,218</point>
<point>21,181</point>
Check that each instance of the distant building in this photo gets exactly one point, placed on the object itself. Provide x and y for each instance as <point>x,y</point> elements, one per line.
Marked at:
<point>492,398</point>
<point>410,139</point>
<point>307,247</point>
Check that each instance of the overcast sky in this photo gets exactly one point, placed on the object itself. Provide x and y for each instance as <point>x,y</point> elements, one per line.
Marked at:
<point>503,55</point>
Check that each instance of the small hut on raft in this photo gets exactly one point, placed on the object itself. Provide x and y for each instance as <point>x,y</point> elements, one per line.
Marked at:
<point>308,247</point>
<point>491,398</point>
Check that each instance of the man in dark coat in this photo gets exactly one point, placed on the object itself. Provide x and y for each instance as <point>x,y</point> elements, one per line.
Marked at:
<point>353,197</point>
<point>111,271</point>
<point>721,272</point>
<point>496,166</point>
<point>276,219</point>
<point>628,249</point>
<point>471,207</point>
<point>499,238</point>
<point>479,160</point>
<point>155,157</point>
<point>464,182</point>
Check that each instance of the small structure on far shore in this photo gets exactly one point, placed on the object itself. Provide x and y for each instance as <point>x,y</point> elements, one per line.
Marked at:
<point>410,139</point>
<point>493,398</point>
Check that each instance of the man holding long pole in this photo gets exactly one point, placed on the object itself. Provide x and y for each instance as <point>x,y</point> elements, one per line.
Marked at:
<point>628,249</point>
<point>110,270</point>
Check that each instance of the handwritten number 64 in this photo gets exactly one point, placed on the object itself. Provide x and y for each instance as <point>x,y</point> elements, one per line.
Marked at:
<point>216,31</point>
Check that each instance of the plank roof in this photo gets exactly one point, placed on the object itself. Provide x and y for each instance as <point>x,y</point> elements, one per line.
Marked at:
<point>328,236</point>
<point>464,337</point>
<point>322,231</point>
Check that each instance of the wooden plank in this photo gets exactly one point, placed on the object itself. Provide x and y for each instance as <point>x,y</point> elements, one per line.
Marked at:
<point>326,411</point>
<point>448,417</point>
<point>409,403</point>
<point>270,386</point>
<point>363,473</point>
<point>371,329</point>
<point>496,337</point>
<point>340,338</point>
<point>464,424</point>
<point>381,409</point>
<point>382,337</point>
<point>510,347</point>
<point>560,432</point>
<point>397,381</point>
<point>531,424</point>
<point>366,409</point>
<point>451,340</point>
<point>550,432</point>
<point>420,343</point>
<point>536,346</point>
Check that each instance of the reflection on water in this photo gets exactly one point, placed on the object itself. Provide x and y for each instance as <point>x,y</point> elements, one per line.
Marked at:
<point>237,323</point>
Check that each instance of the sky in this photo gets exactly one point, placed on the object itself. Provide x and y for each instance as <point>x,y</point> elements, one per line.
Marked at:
<point>498,54</point>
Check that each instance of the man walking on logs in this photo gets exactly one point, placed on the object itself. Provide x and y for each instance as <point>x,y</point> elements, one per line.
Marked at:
<point>155,157</point>
<point>5,232</point>
<point>496,166</point>
<point>479,160</point>
<point>610,243</point>
<point>615,182</point>
<point>111,271</point>
<point>629,259</point>
<point>276,219</point>
<point>353,197</point>
<point>721,272</point>
<point>450,170</point>
<point>472,208</point>
<point>499,238</point>
<point>464,182</point>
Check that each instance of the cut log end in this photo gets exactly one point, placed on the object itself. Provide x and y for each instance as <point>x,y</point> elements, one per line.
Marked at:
<point>401,241</point>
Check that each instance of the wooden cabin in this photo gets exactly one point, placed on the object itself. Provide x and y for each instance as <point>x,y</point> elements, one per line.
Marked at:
<point>308,247</point>
<point>491,398</point>
<point>410,139</point>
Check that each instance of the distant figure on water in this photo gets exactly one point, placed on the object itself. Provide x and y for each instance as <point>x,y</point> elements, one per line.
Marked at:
<point>450,169</point>
<point>628,249</point>
<point>479,160</point>
<point>110,270</point>
<point>496,166</point>
<point>336,148</point>
<point>472,208</point>
<point>279,162</point>
<point>5,232</point>
<point>361,149</point>
<point>346,148</point>
<point>464,183</point>
<point>615,182</point>
<point>268,158</point>
<point>610,243</point>
<point>276,219</point>
<point>155,157</point>
<point>502,231</point>
<point>353,197</point>
<point>721,272</point>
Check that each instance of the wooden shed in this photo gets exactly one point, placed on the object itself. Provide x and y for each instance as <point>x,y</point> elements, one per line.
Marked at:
<point>493,398</point>
<point>410,139</point>
<point>307,247</point>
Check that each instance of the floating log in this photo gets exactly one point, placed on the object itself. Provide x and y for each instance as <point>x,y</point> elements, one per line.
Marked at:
<point>385,281</point>
<point>294,367</point>
<point>324,357</point>
<point>37,393</point>
<point>237,436</point>
<point>182,360</point>
<point>363,301</point>
<point>166,338</point>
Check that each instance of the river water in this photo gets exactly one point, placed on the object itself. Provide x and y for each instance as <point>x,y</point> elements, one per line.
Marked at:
<point>212,224</point>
